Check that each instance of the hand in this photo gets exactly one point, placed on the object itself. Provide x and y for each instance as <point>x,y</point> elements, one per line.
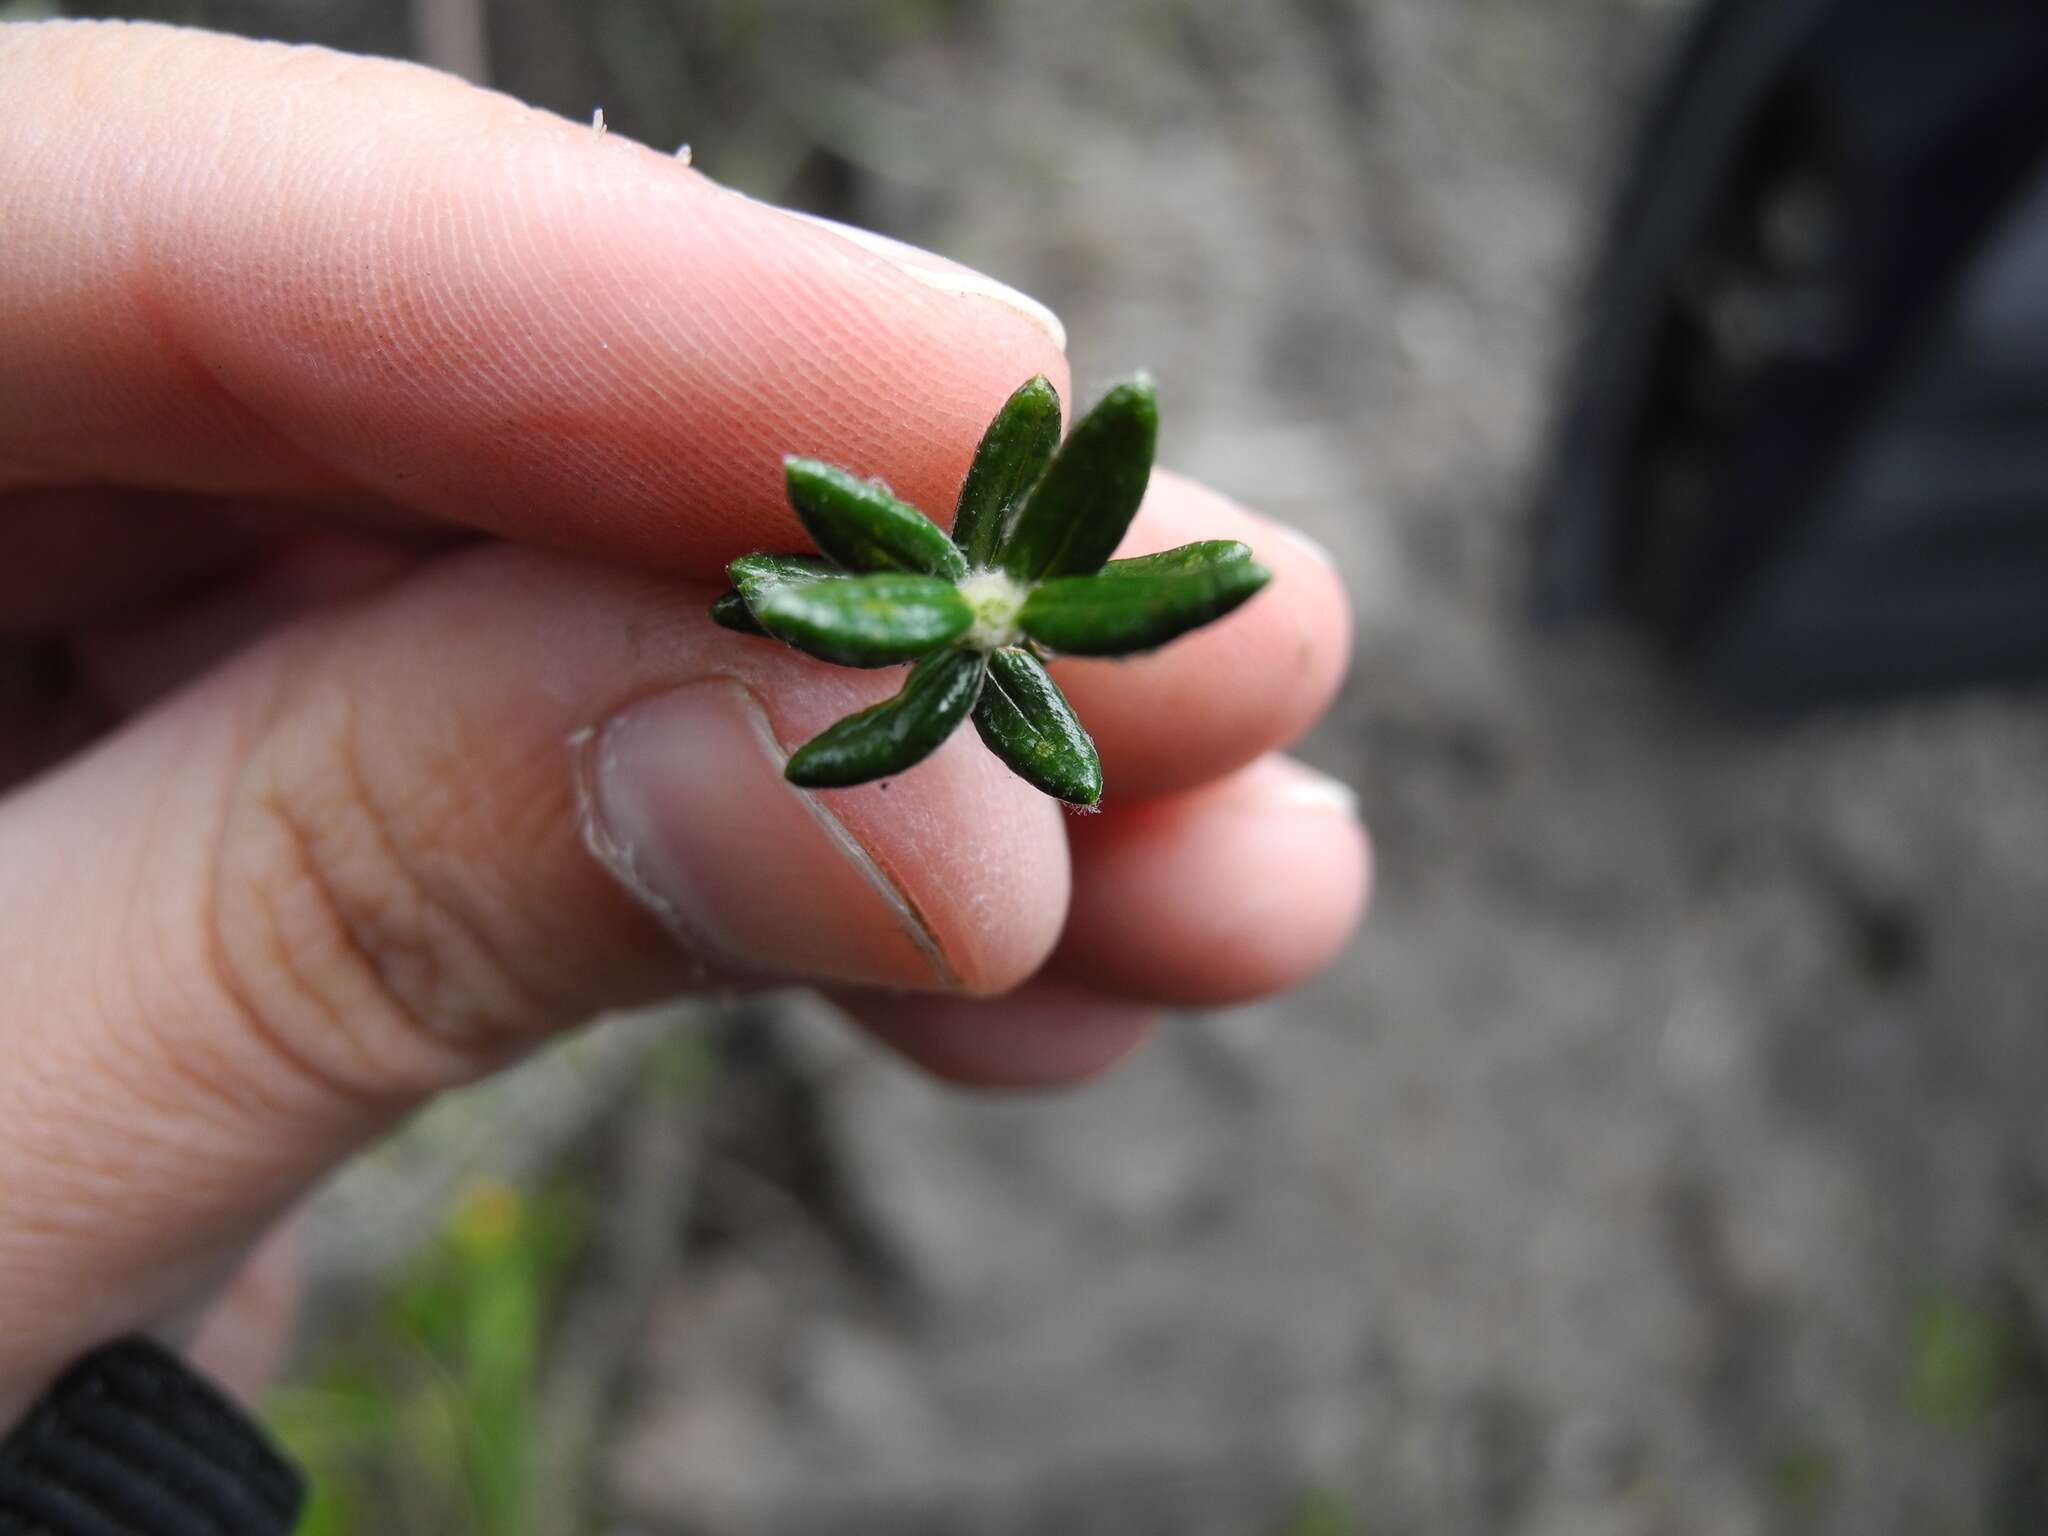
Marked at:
<point>370,448</point>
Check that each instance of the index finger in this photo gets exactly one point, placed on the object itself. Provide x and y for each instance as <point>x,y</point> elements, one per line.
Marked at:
<point>241,268</point>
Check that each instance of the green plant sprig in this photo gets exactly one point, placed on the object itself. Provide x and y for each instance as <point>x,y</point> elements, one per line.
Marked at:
<point>1026,575</point>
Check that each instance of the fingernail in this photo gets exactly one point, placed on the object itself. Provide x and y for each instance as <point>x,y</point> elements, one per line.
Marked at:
<point>683,800</point>
<point>1313,547</point>
<point>1304,788</point>
<point>946,276</point>
<point>1277,783</point>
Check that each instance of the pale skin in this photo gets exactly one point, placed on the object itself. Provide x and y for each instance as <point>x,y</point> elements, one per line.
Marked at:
<point>371,448</point>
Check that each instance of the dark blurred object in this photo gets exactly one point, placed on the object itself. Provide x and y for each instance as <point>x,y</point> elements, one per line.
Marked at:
<point>1806,445</point>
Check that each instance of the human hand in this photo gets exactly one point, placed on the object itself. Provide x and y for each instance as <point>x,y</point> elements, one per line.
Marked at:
<point>370,446</point>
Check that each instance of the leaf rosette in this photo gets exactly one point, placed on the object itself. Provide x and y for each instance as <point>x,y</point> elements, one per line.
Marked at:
<point>1025,575</point>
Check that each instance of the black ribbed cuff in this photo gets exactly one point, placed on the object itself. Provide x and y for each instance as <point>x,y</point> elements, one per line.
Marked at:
<point>130,1442</point>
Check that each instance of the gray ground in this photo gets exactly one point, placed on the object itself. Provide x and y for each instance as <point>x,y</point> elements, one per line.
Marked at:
<point>1667,1157</point>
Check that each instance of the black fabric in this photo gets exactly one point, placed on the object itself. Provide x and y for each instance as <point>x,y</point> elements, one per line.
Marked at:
<point>130,1442</point>
<point>1806,439</point>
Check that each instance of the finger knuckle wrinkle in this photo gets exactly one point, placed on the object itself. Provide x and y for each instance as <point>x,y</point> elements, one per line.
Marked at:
<point>342,936</point>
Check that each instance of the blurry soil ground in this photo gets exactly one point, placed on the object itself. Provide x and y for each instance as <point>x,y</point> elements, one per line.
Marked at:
<point>1669,1155</point>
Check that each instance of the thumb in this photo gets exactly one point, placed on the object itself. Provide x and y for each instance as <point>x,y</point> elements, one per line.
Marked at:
<point>253,929</point>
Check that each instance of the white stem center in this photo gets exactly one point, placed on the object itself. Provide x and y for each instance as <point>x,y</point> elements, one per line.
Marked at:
<point>996,599</point>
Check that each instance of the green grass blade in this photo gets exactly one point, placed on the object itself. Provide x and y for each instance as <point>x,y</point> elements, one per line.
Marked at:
<point>1013,454</point>
<point>1026,721</point>
<point>1135,605</point>
<point>866,621</point>
<point>897,733</point>
<point>858,524</point>
<point>1076,515</point>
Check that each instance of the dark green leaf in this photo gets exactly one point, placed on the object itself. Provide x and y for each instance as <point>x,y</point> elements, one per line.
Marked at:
<point>860,525</point>
<point>1134,605</point>
<point>757,575</point>
<point>1026,721</point>
<point>866,621</point>
<point>1181,558</point>
<point>1014,452</point>
<point>1076,515</point>
<point>896,733</point>
<point>731,612</point>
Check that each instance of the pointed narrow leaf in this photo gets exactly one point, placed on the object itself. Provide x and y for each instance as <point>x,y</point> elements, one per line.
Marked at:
<point>1138,604</point>
<point>1026,721</point>
<point>731,612</point>
<point>860,525</point>
<point>896,733</point>
<point>1076,515</point>
<point>757,575</point>
<point>866,621</point>
<point>1014,452</point>
<point>1181,558</point>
